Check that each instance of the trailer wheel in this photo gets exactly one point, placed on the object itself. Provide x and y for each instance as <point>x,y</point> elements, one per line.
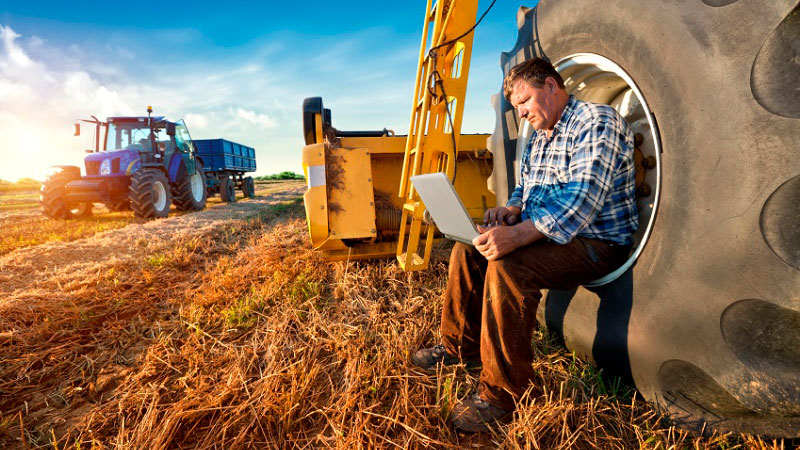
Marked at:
<point>712,332</point>
<point>53,197</point>
<point>248,187</point>
<point>227,190</point>
<point>189,193</point>
<point>149,194</point>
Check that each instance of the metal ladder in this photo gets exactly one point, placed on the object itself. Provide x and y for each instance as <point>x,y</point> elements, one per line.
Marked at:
<point>436,115</point>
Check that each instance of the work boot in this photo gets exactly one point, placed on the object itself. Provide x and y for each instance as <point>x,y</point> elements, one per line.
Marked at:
<point>428,358</point>
<point>476,415</point>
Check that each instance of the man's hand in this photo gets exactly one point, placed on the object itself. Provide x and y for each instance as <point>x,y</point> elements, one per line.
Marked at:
<point>495,242</point>
<point>501,216</point>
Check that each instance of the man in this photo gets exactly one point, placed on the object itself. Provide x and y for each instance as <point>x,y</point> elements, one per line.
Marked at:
<point>569,221</point>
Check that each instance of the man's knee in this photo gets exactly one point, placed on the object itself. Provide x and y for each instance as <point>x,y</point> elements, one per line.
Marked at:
<point>508,276</point>
<point>461,253</point>
<point>501,267</point>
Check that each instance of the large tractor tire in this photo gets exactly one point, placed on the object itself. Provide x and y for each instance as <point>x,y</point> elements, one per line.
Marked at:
<point>227,190</point>
<point>189,193</point>
<point>53,196</point>
<point>149,194</point>
<point>711,333</point>
<point>248,187</point>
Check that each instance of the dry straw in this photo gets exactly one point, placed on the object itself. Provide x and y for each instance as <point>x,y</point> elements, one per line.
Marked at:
<point>239,336</point>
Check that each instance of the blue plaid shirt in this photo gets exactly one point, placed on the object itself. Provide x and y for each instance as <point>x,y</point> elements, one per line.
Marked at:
<point>580,181</point>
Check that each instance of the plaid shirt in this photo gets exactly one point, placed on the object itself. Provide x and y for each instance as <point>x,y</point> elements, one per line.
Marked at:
<point>580,181</point>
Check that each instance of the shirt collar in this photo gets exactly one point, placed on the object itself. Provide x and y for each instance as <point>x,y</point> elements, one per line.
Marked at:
<point>561,125</point>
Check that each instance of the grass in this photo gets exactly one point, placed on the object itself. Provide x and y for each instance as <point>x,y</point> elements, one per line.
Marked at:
<point>24,184</point>
<point>247,339</point>
<point>19,200</point>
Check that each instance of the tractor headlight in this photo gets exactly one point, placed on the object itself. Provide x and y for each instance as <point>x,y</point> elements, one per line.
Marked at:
<point>105,167</point>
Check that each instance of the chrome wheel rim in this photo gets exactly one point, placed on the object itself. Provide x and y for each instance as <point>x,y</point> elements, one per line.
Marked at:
<point>159,196</point>
<point>197,186</point>
<point>595,78</point>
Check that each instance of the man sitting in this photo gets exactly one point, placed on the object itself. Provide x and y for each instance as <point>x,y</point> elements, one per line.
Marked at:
<point>569,221</point>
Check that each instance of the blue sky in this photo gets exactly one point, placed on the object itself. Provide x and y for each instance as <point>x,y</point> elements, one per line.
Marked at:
<point>238,71</point>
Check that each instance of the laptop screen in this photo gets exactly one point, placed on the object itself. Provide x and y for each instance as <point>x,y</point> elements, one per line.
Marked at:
<point>445,206</point>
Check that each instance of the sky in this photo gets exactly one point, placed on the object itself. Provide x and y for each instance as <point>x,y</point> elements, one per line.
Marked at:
<point>232,70</point>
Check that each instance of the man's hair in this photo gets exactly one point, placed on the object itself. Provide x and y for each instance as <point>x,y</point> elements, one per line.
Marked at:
<point>534,72</point>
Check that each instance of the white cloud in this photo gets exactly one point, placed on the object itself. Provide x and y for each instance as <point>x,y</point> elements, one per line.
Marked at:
<point>262,120</point>
<point>40,100</point>
<point>197,121</point>
<point>36,41</point>
<point>13,53</point>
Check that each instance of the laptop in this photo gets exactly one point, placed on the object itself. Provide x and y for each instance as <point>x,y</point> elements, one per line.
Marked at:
<point>445,206</point>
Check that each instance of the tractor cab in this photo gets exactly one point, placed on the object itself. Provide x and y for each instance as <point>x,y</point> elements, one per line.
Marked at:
<point>131,142</point>
<point>149,135</point>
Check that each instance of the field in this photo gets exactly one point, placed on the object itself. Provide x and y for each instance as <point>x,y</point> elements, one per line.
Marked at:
<point>222,329</point>
<point>24,226</point>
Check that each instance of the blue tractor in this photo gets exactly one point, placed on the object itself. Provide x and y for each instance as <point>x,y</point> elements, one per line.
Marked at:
<point>143,164</point>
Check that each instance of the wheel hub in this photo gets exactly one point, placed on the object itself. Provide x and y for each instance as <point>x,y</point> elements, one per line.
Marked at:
<point>197,186</point>
<point>159,196</point>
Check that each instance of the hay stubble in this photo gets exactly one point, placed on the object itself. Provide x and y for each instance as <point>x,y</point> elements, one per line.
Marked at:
<point>239,336</point>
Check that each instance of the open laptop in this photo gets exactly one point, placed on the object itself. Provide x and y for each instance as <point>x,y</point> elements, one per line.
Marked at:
<point>445,206</point>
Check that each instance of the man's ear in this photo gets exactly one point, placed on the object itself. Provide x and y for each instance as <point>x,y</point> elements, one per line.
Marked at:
<point>551,84</point>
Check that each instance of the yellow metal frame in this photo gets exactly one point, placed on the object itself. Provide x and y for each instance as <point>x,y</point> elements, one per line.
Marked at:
<point>440,87</point>
<point>353,181</point>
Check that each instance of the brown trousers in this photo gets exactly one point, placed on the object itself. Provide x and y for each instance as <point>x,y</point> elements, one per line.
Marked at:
<point>490,306</point>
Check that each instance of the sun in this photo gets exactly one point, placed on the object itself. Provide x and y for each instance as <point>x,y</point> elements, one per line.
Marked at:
<point>27,151</point>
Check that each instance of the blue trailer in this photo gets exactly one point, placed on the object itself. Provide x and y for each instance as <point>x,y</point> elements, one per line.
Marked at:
<point>225,164</point>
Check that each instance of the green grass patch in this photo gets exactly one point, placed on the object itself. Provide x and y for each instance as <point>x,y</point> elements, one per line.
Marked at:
<point>242,313</point>
<point>304,287</point>
<point>285,175</point>
<point>156,260</point>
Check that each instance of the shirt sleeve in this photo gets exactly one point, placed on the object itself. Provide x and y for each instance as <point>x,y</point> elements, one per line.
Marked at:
<point>575,205</point>
<point>516,196</point>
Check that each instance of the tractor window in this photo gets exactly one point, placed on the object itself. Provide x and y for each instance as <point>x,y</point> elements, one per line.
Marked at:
<point>133,136</point>
<point>182,137</point>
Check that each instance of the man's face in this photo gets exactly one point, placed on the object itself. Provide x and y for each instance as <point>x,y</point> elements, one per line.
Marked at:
<point>538,106</point>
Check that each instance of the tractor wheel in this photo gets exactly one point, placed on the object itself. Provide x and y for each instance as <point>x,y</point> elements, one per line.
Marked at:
<point>713,335</point>
<point>248,187</point>
<point>189,194</point>
<point>149,194</point>
<point>81,210</point>
<point>227,190</point>
<point>53,197</point>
